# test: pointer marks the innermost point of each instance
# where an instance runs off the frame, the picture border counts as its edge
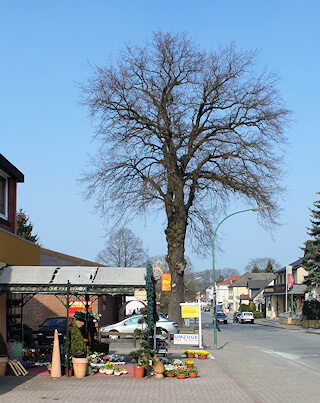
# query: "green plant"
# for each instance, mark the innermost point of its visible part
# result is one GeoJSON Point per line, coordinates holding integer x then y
{"type": "Point", "coordinates": [3, 347]}
{"type": "Point", "coordinates": [117, 369]}
{"type": "Point", "coordinates": [108, 365]}
{"type": "Point", "coordinates": [15, 350]}
{"type": "Point", "coordinates": [193, 371]}
{"type": "Point", "coordinates": [202, 352]}
{"type": "Point", "coordinates": [181, 370]}
{"type": "Point", "coordinates": [78, 346]}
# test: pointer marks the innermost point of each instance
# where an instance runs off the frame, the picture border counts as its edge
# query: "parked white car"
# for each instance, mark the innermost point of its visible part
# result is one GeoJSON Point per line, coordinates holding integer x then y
{"type": "Point", "coordinates": [246, 317]}
{"type": "Point", "coordinates": [130, 324]}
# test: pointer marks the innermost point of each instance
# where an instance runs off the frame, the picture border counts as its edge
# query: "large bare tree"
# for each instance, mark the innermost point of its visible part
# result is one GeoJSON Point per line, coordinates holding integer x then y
{"type": "Point", "coordinates": [123, 249]}
{"type": "Point", "coordinates": [184, 130]}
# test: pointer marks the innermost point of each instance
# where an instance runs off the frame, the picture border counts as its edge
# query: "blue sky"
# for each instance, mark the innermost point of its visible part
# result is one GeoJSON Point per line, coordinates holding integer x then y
{"type": "Point", "coordinates": [46, 48]}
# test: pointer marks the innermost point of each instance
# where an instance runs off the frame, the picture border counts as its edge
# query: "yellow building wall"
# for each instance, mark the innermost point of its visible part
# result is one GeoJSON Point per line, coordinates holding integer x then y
{"type": "Point", "coordinates": [18, 252]}
{"type": "Point", "coordinates": [237, 292]}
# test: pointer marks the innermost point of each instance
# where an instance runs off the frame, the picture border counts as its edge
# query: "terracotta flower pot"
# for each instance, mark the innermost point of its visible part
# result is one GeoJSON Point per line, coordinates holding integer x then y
{"type": "Point", "coordinates": [70, 372]}
{"type": "Point", "coordinates": [202, 357]}
{"type": "Point", "coordinates": [80, 367]}
{"type": "Point", "coordinates": [159, 370]}
{"type": "Point", "coordinates": [190, 355]}
{"type": "Point", "coordinates": [170, 375]}
{"type": "Point", "coordinates": [190, 366]}
{"type": "Point", "coordinates": [181, 376]}
{"type": "Point", "coordinates": [139, 371]}
{"type": "Point", "coordinates": [193, 375]}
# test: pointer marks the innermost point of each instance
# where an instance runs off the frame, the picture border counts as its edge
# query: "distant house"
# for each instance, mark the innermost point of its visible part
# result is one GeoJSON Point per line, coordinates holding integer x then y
{"type": "Point", "coordinates": [276, 302]}
{"type": "Point", "coordinates": [239, 291]}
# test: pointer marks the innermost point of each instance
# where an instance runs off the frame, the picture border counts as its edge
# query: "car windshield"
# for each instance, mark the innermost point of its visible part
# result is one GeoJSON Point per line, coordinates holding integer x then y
{"type": "Point", "coordinates": [55, 322]}
{"type": "Point", "coordinates": [220, 314]}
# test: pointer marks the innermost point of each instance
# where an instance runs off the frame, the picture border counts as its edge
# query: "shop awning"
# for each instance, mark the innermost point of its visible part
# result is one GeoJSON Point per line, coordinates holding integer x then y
{"type": "Point", "coordinates": [79, 279]}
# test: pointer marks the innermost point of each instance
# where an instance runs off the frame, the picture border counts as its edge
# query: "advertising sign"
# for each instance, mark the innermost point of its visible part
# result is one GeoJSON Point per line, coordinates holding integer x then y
{"type": "Point", "coordinates": [166, 282]}
{"type": "Point", "coordinates": [186, 338]}
{"type": "Point", "coordinates": [140, 295]}
{"type": "Point", "coordinates": [79, 305]}
{"type": "Point", "coordinates": [189, 310]}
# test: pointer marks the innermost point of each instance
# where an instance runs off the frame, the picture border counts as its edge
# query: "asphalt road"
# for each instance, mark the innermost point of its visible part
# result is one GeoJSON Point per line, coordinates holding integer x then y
{"type": "Point", "coordinates": [294, 345]}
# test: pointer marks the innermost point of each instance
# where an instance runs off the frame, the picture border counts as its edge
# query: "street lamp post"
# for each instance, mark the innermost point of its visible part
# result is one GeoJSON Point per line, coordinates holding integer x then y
{"type": "Point", "coordinates": [213, 268]}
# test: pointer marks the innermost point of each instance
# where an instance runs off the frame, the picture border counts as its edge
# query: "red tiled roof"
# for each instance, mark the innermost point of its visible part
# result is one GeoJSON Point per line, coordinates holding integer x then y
{"type": "Point", "coordinates": [229, 280]}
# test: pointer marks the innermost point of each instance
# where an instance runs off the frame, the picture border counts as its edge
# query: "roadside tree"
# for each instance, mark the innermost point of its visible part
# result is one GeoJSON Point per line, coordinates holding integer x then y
{"type": "Point", "coordinates": [311, 257]}
{"type": "Point", "coordinates": [123, 249]}
{"type": "Point", "coordinates": [186, 131]}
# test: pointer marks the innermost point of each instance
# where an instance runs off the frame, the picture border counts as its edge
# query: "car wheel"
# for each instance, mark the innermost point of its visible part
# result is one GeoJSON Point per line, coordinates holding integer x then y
{"type": "Point", "coordinates": [242, 321]}
{"type": "Point", "coordinates": [114, 336]}
{"type": "Point", "coordinates": [252, 321]}
{"type": "Point", "coordinates": [226, 321]}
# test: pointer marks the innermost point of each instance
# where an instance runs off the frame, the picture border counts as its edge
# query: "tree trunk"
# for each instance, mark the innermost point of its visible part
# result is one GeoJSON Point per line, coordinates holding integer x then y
{"type": "Point", "coordinates": [176, 232]}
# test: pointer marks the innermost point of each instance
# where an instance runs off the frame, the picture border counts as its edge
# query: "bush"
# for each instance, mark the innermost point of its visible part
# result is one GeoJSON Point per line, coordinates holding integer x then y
{"type": "Point", "coordinates": [78, 346]}
{"type": "Point", "coordinates": [311, 309]}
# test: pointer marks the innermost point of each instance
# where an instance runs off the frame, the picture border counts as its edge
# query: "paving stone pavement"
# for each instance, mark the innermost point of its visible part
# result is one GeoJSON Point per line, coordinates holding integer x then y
{"type": "Point", "coordinates": [212, 385]}
{"type": "Point", "coordinates": [239, 372]}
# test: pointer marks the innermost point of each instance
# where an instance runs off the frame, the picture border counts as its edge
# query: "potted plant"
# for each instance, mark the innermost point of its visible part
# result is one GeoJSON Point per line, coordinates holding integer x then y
{"type": "Point", "coordinates": [124, 370]}
{"type": "Point", "coordinates": [193, 372]}
{"type": "Point", "coordinates": [78, 352]}
{"type": "Point", "coordinates": [3, 356]}
{"type": "Point", "coordinates": [202, 354]}
{"type": "Point", "coordinates": [117, 371]}
{"type": "Point", "coordinates": [137, 356]}
{"type": "Point", "coordinates": [190, 353]}
{"type": "Point", "coordinates": [169, 370]}
{"type": "Point", "coordinates": [181, 372]}
{"type": "Point", "coordinates": [189, 363]}
{"type": "Point", "coordinates": [49, 367]}
{"type": "Point", "coordinates": [108, 368]}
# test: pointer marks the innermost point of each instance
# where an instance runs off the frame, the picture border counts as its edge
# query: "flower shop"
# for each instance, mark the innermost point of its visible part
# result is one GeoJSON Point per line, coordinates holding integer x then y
{"type": "Point", "coordinates": [80, 355]}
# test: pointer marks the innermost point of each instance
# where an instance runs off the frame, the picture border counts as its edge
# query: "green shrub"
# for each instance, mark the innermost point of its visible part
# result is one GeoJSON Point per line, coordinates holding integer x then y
{"type": "Point", "coordinates": [311, 309]}
{"type": "Point", "coordinates": [78, 345]}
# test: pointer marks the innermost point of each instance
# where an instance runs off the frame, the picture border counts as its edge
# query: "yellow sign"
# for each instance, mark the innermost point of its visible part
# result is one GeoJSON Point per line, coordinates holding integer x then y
{"type": "Point", "coordinates": [190, 311]}
{"type": "Point", "coordinates": [166, 282]}
{"type": "Point", "coordinates": [140, 295]}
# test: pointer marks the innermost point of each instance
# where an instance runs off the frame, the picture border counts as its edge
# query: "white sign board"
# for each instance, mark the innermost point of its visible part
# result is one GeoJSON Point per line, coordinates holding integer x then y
{"type": "Point", "coordinates": [186, 338]}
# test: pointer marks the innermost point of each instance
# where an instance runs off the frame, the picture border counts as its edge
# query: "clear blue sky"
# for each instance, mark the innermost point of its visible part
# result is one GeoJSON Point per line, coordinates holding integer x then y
{"type": "Point", "coordinates": [45, 50]}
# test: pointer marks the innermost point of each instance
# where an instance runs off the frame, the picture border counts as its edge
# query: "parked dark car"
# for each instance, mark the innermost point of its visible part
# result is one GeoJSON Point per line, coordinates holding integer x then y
{"type": "Point", "coordinates": [46, 331]}
{"type": "Point", "coordinates": [222, 317]}
{"type": "Point", "coordinates": [206, 308]}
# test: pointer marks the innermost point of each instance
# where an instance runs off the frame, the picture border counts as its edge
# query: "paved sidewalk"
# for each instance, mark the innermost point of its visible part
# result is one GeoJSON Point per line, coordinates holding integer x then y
{"type": "Point", "coordinates": [212, 385]}
{"type": "Point", "coordinates": [238, 373]}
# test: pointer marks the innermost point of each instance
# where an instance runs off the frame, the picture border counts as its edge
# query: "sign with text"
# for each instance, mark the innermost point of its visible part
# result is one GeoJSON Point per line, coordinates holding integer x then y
{"type": "Point", "coordinates": [166, 282]}
{"type": "Point", "coordinates": [189, 310]}
{"type": "Point", "coordinates": [181, 338]}
{"type": "Point", "coordinates": [140, 295]}
{"type": "Point", "coordinates": [79, 305]}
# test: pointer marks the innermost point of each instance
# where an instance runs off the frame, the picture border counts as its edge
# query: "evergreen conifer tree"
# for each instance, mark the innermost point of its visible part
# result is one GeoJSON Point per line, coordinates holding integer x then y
{"type": "Point", "coordinates": [25, 227]}
{"type": "Point", "coordinates": [269, 268]}
{"type": "Point", "coordinates": [311, 258]}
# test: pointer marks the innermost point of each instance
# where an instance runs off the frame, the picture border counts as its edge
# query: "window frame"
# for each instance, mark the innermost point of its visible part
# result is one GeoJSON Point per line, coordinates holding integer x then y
{"type": "Point", "coordinates": [6, 190]}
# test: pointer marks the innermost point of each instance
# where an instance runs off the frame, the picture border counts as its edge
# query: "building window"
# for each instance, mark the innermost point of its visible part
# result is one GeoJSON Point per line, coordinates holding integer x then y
{"type": "Point", "coordinates": [3, 196]}
{"type": "Point", "coordinates": [269, 303]}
